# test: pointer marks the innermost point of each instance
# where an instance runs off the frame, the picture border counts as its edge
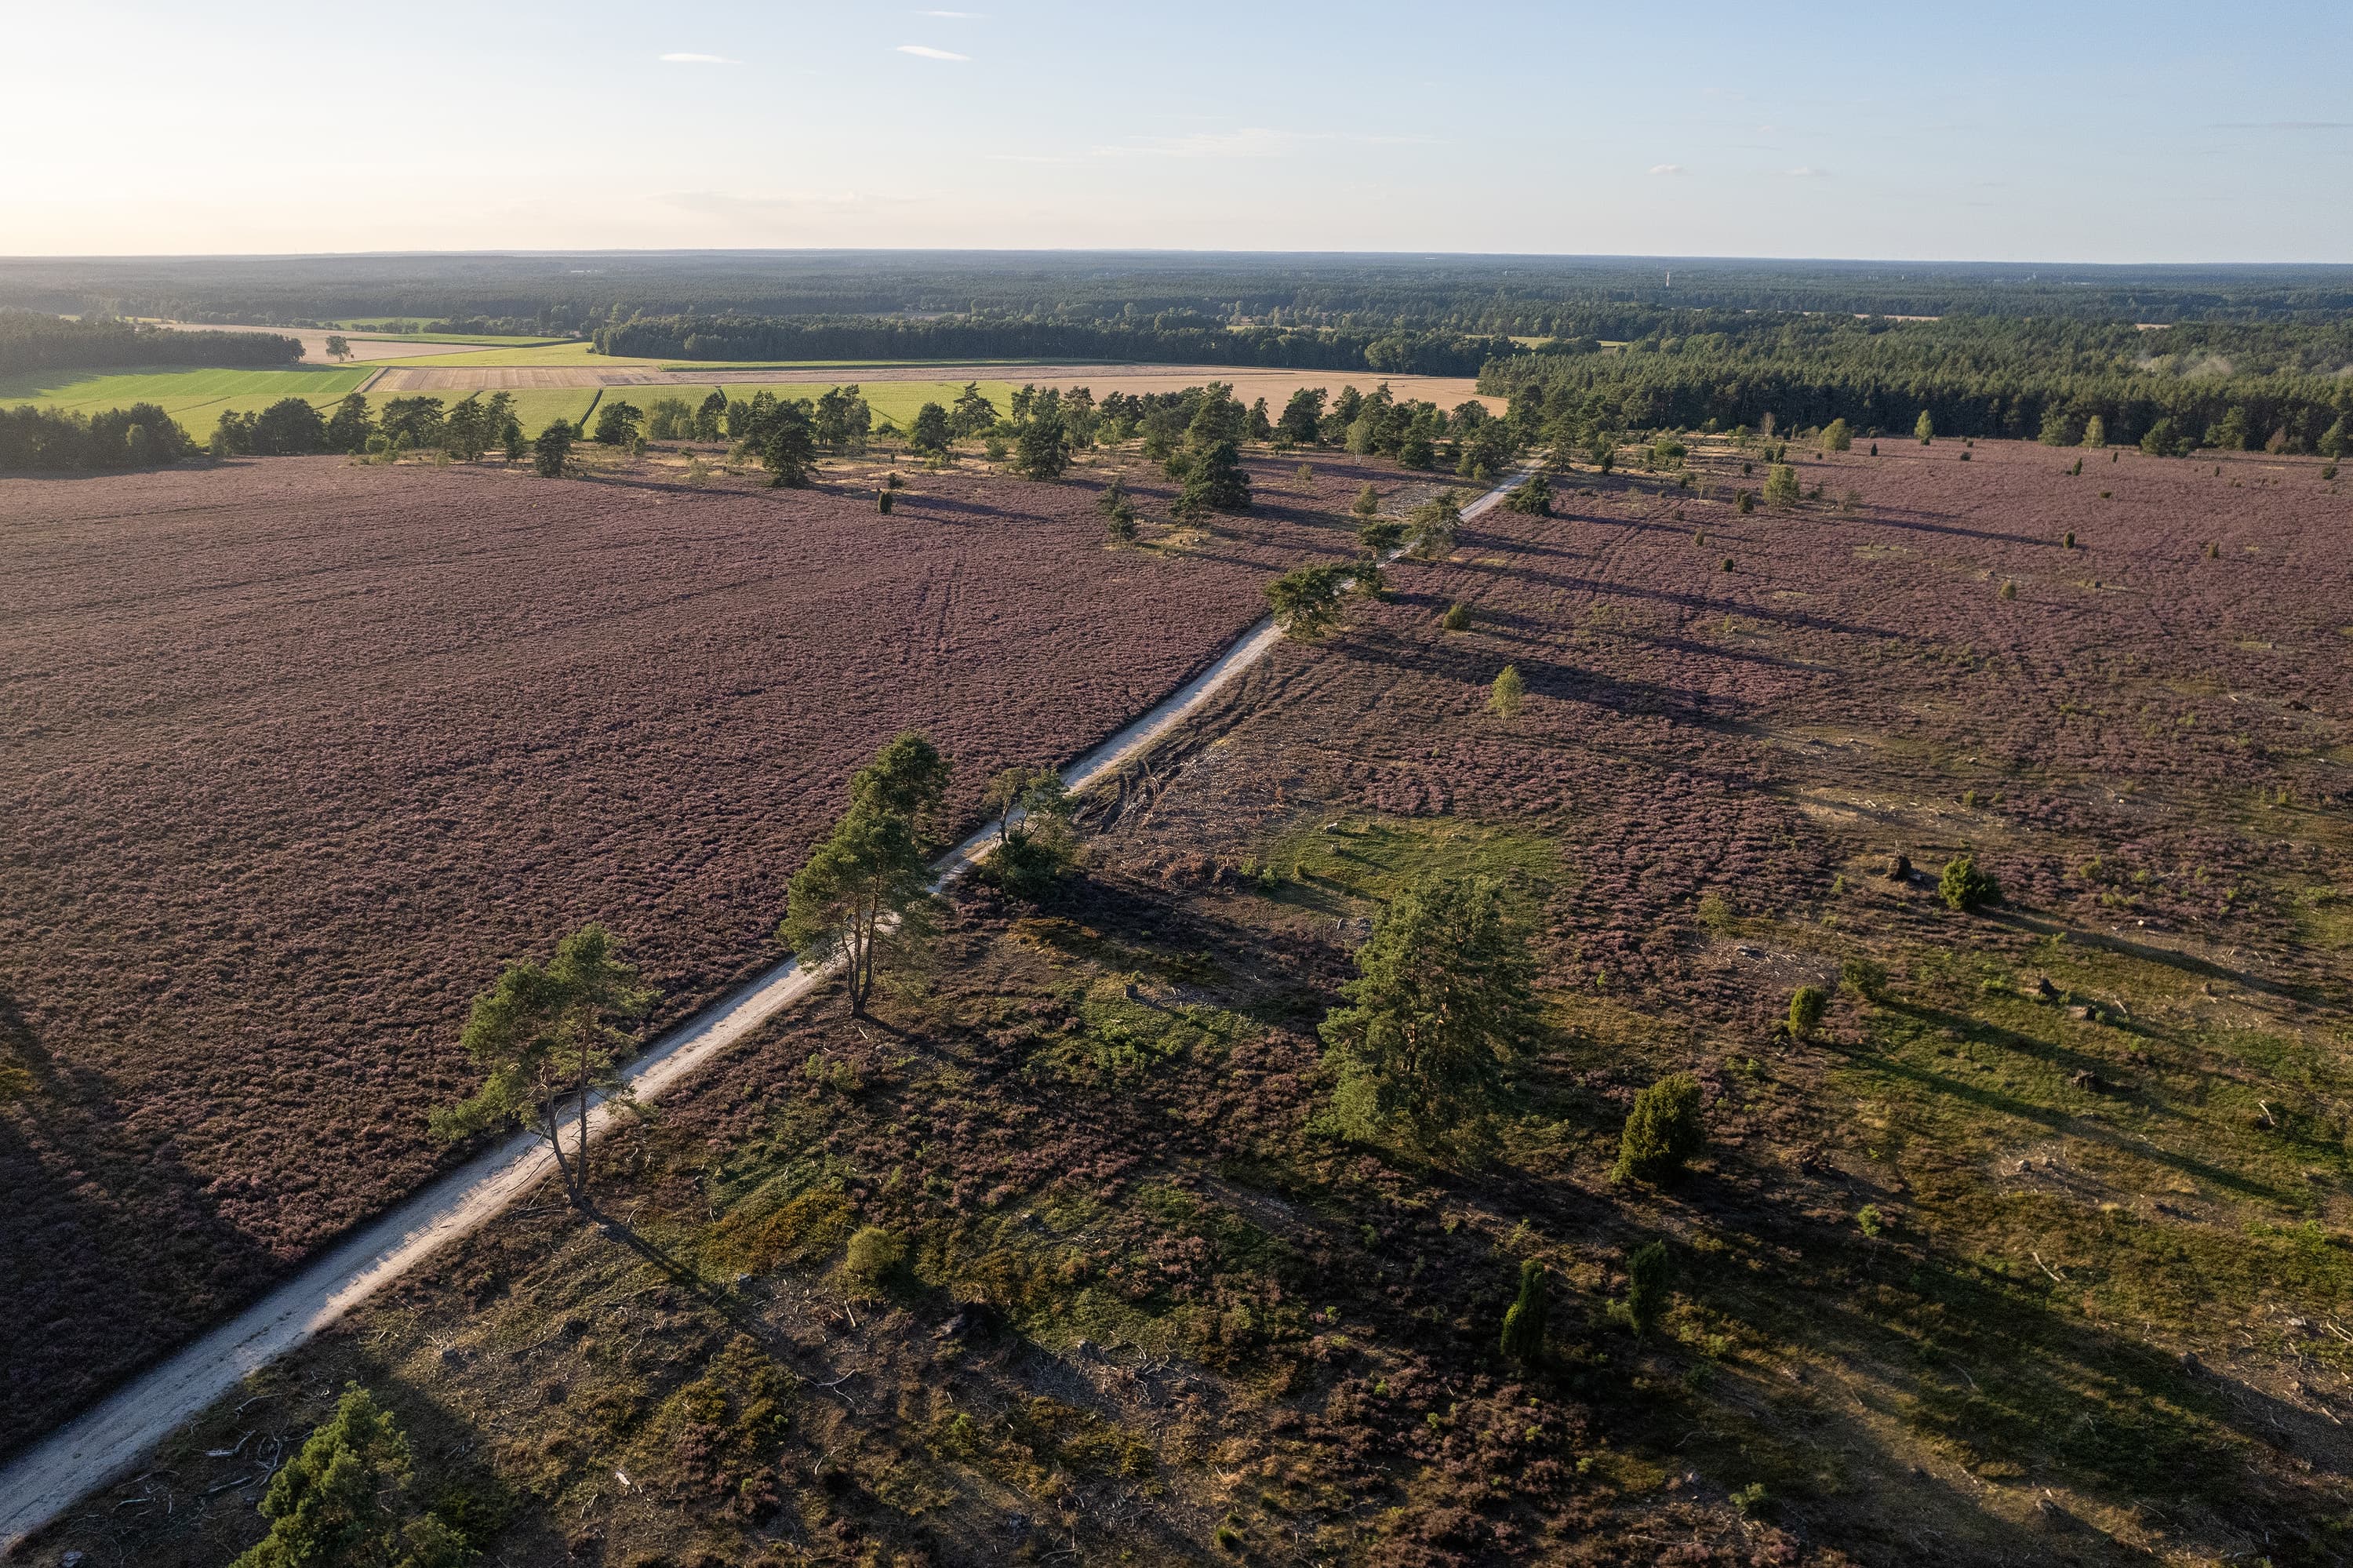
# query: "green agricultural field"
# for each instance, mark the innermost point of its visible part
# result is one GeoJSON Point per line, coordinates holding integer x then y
{"type": "Point", "coordinates": [194, 397]}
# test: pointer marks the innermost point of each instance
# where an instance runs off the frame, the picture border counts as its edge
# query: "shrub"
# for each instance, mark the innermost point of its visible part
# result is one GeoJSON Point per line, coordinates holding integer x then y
{"type": "Point", "coordinates": [1663, 1132]}
{"type": "Point", "coordinates": [1925, 428]}
{"type": "Point", "coordinates": [1369, 501]}
{"type": "Point", "coordinates": [1863, 977]}
{"type": "Point", "coordinates": [2095, 432]}
{"type": "Point", "coordinates": [1781, 486]}
{"type": "Point", "coordinates": [1839, 437]}
{"type": "Point", "coordinates": [874, 1255]}
{"type": "Point", "coordinates": [2008, 588]}
{"type": "Point", "coordinates": [1806, 1005]}
{"type": "Point", "coordinates": [1504, 696]}
{"type": "Point", "coordinates": [1523, 1321]}
{"type": "Point", "coordinates": [1964, 887]}
{"type": "Point", "coordinates": [1743, 503]}
{"type": "Point", "coordinates": [1646, 1287]}
{"type": "Point", "coordinates": [1456, 616]}
{"type": "Point", "coordinates": [882, 501]}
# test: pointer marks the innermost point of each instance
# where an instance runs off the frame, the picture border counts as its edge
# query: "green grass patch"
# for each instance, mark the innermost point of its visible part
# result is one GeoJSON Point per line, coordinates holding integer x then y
{"type": "Point", "coordinates": [1334, 866]}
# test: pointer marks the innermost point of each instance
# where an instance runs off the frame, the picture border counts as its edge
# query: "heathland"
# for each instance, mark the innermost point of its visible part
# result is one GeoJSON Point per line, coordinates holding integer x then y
{"type": "Point", "coordinates": [2012, 1221]}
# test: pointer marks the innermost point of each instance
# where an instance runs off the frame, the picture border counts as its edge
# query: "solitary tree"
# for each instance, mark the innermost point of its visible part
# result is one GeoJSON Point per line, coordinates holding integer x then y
{"type": "Point", "coordinates": [1524, 1319]}
{"type": "Point", "coordinates": [552, 450]}
{"type": "Point", "coordinates": [338, 348]}
{"type": "Point", "coordinates": [1781, 486]}
{"type": "Point", "coordinates": [1806, 1005]}
{"type": "Point", "coordinates": [1647, 1274]}
{"type": "Point", "coordinates": [1306, 601]}
{"type": "Point", "coordinates": [547, 1039]}
{"type": "Point", "coordinates": [1925, 428]}
{"type": "Point", "coordinates": [344, 1501]}
{"type": "Point", "coordinates": [862, 882]}
{"type": "Point", "coordinates": [1506, 694]}
{"type": "Point", "coordinates": [1965, 885]}
{"type": "Point", "coordinates": [1369, 502]}
{"type": "Point", "coordinates": [2095, 432]}
{"type": "Point", "coordinates": [1441, 1004]}
{"type": "Point", "coordinates": [1663, 1132]}
{"type": "Point", "coordinates": [1839, 437]}
{"type": "Point", "coordinates": [1431, 536]}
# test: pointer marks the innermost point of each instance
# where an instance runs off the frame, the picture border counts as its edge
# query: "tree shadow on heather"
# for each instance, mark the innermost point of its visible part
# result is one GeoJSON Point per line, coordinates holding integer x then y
{"type": "Point", "coordinates": [116, 1249]}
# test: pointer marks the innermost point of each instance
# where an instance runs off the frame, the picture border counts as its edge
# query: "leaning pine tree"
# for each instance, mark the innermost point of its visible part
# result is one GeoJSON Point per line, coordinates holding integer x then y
{"type": "Point", "coordinates": [547, 1038]}
{"type": "Point", "coordinates": [868, 883]}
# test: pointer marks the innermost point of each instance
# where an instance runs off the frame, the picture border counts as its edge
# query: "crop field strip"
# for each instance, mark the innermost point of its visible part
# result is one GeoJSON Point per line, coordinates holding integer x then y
{"type": "Point", "coordinates": [194, 397]}
{"type": "Point", "coordinates": [415, 719]}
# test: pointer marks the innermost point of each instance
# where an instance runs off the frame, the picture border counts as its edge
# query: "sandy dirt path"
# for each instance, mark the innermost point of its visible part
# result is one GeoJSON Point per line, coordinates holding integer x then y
{"type": "Point", "coordinates": [122, 1429]}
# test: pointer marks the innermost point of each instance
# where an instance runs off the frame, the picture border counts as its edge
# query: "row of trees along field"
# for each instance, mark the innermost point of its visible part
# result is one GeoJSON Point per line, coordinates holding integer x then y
{"type": "Point", "coordinates": [31, 341]}
{"type": "Point", "coordinates": [292, 428]}
{"type": "Point", "coordinates": [141, 436]}
{"type": "Point", "coordinates": [2234, 386]}
{"type": "Point", "coordinates": [1175, 337]}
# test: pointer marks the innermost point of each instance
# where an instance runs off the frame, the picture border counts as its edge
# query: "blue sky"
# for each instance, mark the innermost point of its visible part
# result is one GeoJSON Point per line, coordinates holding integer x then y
{"type": "Point", "coordinates": [2111, 132]}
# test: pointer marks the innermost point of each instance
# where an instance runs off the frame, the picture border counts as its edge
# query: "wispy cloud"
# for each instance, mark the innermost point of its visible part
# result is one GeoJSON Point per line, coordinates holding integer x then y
{"type": "Point", "coordinates": [1249, 141]}
{"type": "Point", "coordinates": [2285, 126]}
{"type": "Point", "coordinates": [1669, 169]}
{"type": "Point", "coordinates": [1806, 172]}
{"type": "Point", "coordinates": [698, 59]}
{"type": "Point", "coordinates": [924, 51]}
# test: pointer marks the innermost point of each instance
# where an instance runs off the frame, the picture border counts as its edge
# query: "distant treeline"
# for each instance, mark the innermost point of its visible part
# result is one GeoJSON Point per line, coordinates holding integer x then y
{"type": "Point", "coordinates": [1527, 296]}
{"type": "Point", "coordinates": [31, 341]}
{"type": "Point", "coordinates": [141, 436]}
{"type": "Point", "coordinates": [1171, 339]}
{"type": "Point", "coordinates": [2217, 383]}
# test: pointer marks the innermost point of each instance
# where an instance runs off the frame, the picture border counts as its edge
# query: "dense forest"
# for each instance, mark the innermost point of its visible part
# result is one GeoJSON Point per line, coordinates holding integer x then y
{"type": "Point", "coordinates": [1171, 338]}
{"type": "Point", "coordinates": [2225, 385]}
{"type": "Point", "coordinates": [1526, 296]}
{"type": "Point", "coordinates": [32, 340]}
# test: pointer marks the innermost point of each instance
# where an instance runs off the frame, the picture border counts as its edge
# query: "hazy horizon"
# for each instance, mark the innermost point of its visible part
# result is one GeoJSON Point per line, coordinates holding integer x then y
{"type": "Point", "coordinates": [2012, 136]}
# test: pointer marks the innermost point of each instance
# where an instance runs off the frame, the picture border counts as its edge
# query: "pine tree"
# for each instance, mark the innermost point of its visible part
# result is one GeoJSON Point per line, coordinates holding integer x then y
{"type": "Point", "coordinates": [1442, 1003]}
{"type": "Point", "coordinates": [1506, 695]}
{"type": "Point", "coordinates": [789, 449]}
{"type": "Point", "coordinates": [343, 1501]}
{"type": "Point", "coordinates": [1524, 1320]}
{"type": "Point", "coordinates": [1663, 1132]}
{"type": "Point", "coordinates": [1216, 483]}
{"type": "Point", "coordinates": [1925, 428]}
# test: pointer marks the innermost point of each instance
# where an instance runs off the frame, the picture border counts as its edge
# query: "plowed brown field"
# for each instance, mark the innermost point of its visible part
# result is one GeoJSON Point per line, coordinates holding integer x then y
{"type": "Point", "coordinates": [298, 752]}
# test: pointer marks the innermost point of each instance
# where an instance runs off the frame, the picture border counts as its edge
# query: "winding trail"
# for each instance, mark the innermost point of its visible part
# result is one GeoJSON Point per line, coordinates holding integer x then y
{"type": "Point", "coordinates": [119, 1432]}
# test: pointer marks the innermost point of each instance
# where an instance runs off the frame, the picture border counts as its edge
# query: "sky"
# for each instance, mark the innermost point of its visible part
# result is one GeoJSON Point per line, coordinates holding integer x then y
{"type": "Point", "coordinates": [2060, 131]}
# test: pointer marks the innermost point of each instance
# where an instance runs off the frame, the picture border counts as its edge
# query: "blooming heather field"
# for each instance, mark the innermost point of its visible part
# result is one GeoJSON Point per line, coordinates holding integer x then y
{"type": "Point", "coordinates": [2032, 1247]}
{"type": "Point", "coordinates": [298, 752]}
